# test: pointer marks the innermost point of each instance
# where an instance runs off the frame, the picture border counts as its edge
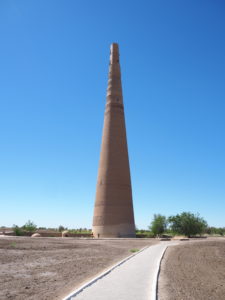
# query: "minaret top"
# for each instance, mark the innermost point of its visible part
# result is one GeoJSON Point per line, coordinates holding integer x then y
{"type": "Point", "coordinates": [114, 53]}
{"type": "Point", "coordinates": [114, 90]}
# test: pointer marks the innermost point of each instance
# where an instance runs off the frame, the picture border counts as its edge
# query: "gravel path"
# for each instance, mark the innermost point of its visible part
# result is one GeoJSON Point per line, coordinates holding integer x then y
{"type": "Point", "coordinates": [133, 280]}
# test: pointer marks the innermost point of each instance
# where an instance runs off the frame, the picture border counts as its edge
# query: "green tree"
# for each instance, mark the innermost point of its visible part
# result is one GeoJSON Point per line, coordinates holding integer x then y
{"type": "Point", "coordinates": [29, 226]}
{"type": "Point", "coordinates": [187, 223]}
{"type": "Point", "coordinates": [221, 231]}
{"type": "Point", "coordinates": [215, 230]}
{"type": "Point", "coordinates": [61, 228]}
{"type": "Point", "coordinates": [158, 224]}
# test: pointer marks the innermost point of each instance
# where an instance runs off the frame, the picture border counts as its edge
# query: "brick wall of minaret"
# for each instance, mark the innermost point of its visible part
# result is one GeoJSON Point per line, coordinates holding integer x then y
{"type": "Point", "coordinates": [113, 211]}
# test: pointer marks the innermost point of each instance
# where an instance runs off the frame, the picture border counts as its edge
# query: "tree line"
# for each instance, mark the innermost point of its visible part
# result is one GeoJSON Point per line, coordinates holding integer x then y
{"type": "Point", "coordinates": [186, 223]}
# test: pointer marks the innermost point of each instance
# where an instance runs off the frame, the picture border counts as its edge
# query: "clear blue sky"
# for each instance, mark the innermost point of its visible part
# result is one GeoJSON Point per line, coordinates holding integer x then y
{"type": "Point", "coordinates": [53, 78]}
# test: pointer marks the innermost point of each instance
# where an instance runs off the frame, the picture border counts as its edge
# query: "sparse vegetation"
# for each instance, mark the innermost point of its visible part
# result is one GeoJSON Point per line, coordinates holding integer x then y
{"type": "Point", "coordinates": [29, 226]}
{"type": "Point", "coordinates": [80, 231]}
{"type": "Point", "coordinates": [134, 250]}
{"type": "Point", "coordinates": [17, 230]}
{"type": "Point", "coordinates": [143, 233]}
{"type": "Point", "coordinates": [215, 230]}
{"type": "Point", "coordinates": [13, 244]}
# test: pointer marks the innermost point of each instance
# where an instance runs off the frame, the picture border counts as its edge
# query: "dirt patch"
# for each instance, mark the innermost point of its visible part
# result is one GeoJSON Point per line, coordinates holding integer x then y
{"type": "Point", "coordinates": [50, 268]}
{"type": "Point", "coordinates": [194, 270]}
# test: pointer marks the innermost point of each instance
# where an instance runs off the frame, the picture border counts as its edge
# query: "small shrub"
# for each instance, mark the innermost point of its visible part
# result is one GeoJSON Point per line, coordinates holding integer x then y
{"type": "Point", "coordinates": [29, 226]}
{"type": "Point", "coordinates": [17, 230]}
{"type": "Point", "coordinates": [134, 250]}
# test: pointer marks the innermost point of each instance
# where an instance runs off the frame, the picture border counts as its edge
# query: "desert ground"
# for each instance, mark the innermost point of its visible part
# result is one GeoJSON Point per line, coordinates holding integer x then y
{"type": "Point", "coordinates": [50, 268]}
{"type": "Point", "coordinates": [193, 271]}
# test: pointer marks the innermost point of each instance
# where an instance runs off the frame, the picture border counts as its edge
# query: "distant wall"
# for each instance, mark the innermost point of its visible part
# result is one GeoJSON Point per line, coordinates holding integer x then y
{"type": "Point", "coordinates": [59, 234]}
{"type": "Point", "coordinates": [46, 233]}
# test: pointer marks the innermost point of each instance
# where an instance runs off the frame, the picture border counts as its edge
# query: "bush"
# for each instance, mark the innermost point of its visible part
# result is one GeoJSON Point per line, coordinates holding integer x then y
{"type": "Point", "coordinates": [61, 228]}
{"type": "Point", "coordinates": [80, 231]}
{"type": "Point", "coordinates": [134, 250]}
{"type": "Point", "coordinates": [29, 226]}
{"type": "Point", "coordinates": [215, 230]}
{"type": "Point", "coordinates": [144, 234]}
{"type": "Point", "coordinates": [17, 230]}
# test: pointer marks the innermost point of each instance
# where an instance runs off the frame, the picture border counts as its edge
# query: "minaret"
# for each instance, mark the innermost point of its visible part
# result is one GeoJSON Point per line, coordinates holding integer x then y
{"type": "Point", "coordinates": [113, 212]}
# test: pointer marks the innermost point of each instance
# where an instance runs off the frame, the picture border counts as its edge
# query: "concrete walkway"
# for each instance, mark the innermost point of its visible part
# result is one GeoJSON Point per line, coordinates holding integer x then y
{"type": "Point", "coordinates": [133, 280]}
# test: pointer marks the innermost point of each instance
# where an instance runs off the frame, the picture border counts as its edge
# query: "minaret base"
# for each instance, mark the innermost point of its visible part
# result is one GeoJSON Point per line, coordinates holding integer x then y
{"type": "Point", "coordinates": [114, 231]}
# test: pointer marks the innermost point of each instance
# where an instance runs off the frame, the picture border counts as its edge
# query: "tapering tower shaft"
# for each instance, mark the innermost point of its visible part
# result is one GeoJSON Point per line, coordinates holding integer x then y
{"type": "Point", "coordinates": [113, 212]}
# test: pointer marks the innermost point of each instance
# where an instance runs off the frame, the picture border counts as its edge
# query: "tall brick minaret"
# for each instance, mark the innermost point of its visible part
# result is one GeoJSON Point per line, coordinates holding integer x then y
{"type": "Point", "coordinates": [113, 212]}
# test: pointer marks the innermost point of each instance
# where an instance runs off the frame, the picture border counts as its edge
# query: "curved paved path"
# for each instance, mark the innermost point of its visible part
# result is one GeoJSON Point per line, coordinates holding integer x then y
{"type": "Point", "coordinates": [133, 280]}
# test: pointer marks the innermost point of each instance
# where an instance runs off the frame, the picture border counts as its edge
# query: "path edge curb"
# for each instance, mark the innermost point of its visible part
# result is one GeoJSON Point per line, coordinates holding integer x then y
{"type": "Point", "coordinates": [155, 297]}
{"type": "Point", "coordinates": [101, 275]}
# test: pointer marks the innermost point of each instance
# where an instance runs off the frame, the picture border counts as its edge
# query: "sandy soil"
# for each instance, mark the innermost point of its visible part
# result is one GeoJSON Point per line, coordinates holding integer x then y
{"type": "Point", "coordinates": [50, 268]}
{"type": "Point", "coordinates": [193, 271]}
